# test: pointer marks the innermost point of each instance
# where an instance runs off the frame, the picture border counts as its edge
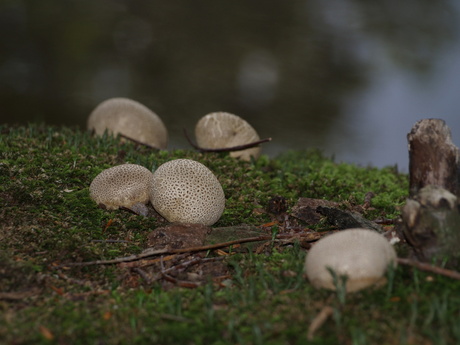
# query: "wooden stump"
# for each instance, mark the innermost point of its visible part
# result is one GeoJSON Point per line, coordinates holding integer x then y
{"type": "Point", "coordinates": [431, 216]}
{"type": "Point", "coordinates": [433, 158]}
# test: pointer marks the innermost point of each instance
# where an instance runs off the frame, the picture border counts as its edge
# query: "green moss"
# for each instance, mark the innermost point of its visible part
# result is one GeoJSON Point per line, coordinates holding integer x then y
{"type": "Point", "coordinates": [48, 218]}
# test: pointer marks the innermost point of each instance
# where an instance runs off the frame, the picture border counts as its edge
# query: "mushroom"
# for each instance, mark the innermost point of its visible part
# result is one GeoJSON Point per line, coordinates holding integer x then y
{"type": "Point", "coordinates": [125, 185]}
{"type": "Point", "coordinates": [221, 130]}
{"type": "Point", "coordinates": [186, 191]}
{"type": "Point", "coordinates": [131, 119]}
{"type": "Point", "coordinates": [360, 254]}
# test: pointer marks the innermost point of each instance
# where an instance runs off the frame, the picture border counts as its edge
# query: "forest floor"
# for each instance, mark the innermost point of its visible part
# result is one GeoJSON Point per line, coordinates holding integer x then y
{"type": "Point", "coordinates": [251, 292]}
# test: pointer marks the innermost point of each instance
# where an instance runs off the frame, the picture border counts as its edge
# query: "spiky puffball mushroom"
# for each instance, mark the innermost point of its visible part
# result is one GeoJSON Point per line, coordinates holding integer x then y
{"type": "Point", "coordinates": [360, 254]}
{"type": "Point", "coordinates": [131, 119]}
{"type": "Point", "coordinates": [124, 185]}
{"type": "Point", "coordinates": [221, 130]}
{"type": "Point", "coordinates": [186, 191]}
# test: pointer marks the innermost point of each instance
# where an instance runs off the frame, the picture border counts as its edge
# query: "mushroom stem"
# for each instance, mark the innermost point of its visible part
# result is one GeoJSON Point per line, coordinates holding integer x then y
{"type": "Point", "coordinates": [226, 149]}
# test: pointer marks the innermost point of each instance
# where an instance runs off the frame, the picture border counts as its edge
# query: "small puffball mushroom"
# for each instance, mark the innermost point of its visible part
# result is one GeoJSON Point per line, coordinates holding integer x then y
{"type": "Point", "coordinates": [186, 191]}
{"type": "Point", "coordinates": [362, 255]}
{"type": "Point", "coordinates": [123, 185]}
{"type": "Point", "coordinates": [130, 118]}
{"type": "Point", "coordinates": [221, 130]}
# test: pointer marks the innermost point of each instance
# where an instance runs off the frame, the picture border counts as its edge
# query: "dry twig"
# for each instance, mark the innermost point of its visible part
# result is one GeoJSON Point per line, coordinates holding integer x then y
{"type": "Point", "coordinates": [149, 252]}
{"type": "Point", "coordinates": [318, 321]}
{"type": "Point", "coordinates": [20, 295]}
{"type": "Point", "coordinates": [147, 262]}
{"type": "Point", "coordinates": [138, 142]}
{"type": "Point", "coordinates": [429, 268]}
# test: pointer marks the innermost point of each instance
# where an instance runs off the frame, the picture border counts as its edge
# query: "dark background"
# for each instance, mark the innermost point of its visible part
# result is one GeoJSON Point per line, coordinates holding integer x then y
{"type": "Point", "coordinates": [349, 77]}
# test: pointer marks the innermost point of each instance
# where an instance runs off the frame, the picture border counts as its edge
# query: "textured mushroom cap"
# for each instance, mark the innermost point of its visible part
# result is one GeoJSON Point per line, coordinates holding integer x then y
{"type": "Point", "coordinates": [220, 130]}
{"type": "Point", "coordinates": [186, 191]}
{"type": "Point", "coordinates": [362, 255]}
{"type": "Point", "coordinates": [121, 185]}
{"type": "Point", "coordinates": [130, 118]}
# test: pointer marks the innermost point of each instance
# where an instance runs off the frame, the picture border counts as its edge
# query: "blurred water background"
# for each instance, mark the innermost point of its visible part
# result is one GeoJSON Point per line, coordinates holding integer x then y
{"type": "Point", "coordinates": [349, 77]}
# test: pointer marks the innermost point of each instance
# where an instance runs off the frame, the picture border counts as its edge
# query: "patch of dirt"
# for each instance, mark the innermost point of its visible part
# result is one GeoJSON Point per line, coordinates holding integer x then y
{"type": "Point", "coordinates": [178, 236]}
{"type": "Point", "coordinates": [185, 270]}
{"type": "Point", "coordinates": [306, 209]}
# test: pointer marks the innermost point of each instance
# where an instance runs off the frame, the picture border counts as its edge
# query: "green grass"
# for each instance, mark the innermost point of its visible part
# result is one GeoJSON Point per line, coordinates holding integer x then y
{"type": "Point", "coordinates": [47, 218]}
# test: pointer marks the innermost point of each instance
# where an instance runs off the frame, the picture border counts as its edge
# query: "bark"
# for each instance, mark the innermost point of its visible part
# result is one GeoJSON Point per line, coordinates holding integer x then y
{"type": "Point", "coordinates": [431, 216]}
{"type": "Point", "coordinates": [432, 225]}
{"type": "Point", "coordinates": [433, 158]}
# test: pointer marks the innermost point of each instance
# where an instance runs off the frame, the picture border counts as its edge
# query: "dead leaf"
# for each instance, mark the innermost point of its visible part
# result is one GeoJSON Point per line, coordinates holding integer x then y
{"type": "Point", "coordinates": [46, 333]}
{"type": "Point", "coordinates": [107, 315]}
{"type": "Point", "coordinates": [59, 291]}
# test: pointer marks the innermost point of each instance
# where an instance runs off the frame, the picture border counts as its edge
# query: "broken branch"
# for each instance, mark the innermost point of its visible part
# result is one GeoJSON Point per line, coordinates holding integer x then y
{"type": "Point", "coordinates": [138, 142]}
{"type": "Point", "coordinates": [225, 149]}
{"type": "Point", "coordinates": [429, 268]}
{"type": "Point", "coordinates": [150, 252]}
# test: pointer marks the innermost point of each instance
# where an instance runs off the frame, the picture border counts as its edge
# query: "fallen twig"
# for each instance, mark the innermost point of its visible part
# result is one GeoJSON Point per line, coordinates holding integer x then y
{"type": "Point", "coordinates": [143, 274]}
{"type": "Point", "coordinates": [138, 142]}
{"type": "Point", "coordinates": [111, 241]}
{"type": "Point", "coordinates": [181, 283]}
{"type": "Point", "coordinates": [20, 295]}
{"type": "Point", "coordinates": [318, 321]}
{"type": "Point", "coordinates": [192, 262]}
{"type": "Point", "coordinates": [146, 262]}
{"type": "Point", "coordinates": [429, 268]}
{"type": "Point", "coordinates": [151, 252]}
{"type": "Point", "coordinates": [226, 149]}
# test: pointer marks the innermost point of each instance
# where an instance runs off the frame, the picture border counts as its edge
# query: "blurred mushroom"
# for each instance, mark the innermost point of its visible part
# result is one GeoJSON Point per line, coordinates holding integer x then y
{"type": "Point", "coordinates": [221, 130]}
{"type": "Point", "coordinates": [131, 119]}
{"type": "Point", "coordinates": [361, 255]}
{"type": "Point", "coordinates": [125, 185]}
{"type": "Point", "coordinates": [186, 191]}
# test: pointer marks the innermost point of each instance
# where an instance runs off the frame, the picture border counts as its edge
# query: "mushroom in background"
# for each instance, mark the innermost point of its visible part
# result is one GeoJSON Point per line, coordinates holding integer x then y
{"type": "Point", "coordinates": [222, 130]}
{"type": "Point", "coordinates": [186, 191]}
{"type": "Point", "coordinates": [131, 119]}
{"type": "Point", "coordinates": [361, 255]}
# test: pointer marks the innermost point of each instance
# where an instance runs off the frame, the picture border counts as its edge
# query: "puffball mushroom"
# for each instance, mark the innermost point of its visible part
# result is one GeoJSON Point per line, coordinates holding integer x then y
{"type": "Point", "coordinates": [221, 130]}
{"type": "Point", "coordinates": [362, 255]}
{"type": "Point", "coordinates": [123, 185]}
{"type": "Point", "coordinates": [130, 118]}
{"type": "Point", "coordinates": [186, 191]}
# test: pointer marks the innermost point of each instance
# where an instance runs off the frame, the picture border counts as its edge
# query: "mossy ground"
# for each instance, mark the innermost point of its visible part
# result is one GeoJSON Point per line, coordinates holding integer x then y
{"type": "Point", "coordinates": [47, 218]}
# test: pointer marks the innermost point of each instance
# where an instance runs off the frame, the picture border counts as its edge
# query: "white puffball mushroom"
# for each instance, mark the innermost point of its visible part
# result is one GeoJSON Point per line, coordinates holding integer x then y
{"type": "Point", "coordinates": [362, 255]}
{"type": "Point", "coordinates": [186, 191]}
{"type": "Point", "coordinates": [130, 118]}
{"type": "Point", "coordinates": [123, 185]}
{"type": "Point", "coordinates": [222, 130]}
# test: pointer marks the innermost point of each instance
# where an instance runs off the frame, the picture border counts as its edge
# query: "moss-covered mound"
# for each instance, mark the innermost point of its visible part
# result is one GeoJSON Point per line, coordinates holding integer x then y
{"type": "Point", "coordinates": [47, 220]}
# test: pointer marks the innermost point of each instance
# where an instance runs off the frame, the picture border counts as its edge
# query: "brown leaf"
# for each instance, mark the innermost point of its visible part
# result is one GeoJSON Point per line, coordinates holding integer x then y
{"type": "Point", "coordinates": [46, 333]}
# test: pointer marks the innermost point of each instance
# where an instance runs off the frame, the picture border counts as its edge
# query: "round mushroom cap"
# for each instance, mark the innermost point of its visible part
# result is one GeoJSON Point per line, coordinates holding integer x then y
{"type": "Point", "coordinates": [130, 118]}
{"type": "Point", "coordinates": [122, 185]}
{"type": "Point", "coordinates": [221, 130]}
{"type": "Point", "coordinates": [362, 255]}
{"type": "Point", "coordinates": [186, 191]}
